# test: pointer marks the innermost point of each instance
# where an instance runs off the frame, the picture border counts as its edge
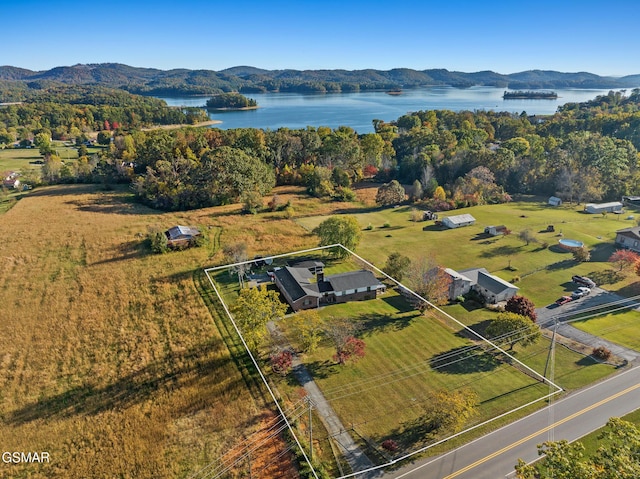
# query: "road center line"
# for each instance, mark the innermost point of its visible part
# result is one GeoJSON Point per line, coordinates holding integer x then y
{"type": "Point", "coordinates": [541, 431]}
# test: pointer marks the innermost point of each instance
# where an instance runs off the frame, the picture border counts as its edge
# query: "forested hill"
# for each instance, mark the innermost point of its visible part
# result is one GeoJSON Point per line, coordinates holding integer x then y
{"type": "Point", "coordinates": [248, 79]}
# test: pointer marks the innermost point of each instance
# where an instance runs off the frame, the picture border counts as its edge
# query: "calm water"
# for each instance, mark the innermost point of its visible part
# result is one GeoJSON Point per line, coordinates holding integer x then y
{"type": "Point", "coordinates": [357, 110]}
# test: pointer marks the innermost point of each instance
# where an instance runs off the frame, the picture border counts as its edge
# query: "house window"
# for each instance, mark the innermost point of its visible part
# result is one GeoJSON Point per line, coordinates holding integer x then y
{"type": "Point", "coordinates": [621, 240]}
{"type": "Point", "coordinates": [635, 244]}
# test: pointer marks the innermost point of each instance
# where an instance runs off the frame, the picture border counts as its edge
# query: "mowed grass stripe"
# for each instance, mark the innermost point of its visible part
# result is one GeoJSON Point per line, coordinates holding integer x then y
{"type": "Point", "coordinates": [386, 390]}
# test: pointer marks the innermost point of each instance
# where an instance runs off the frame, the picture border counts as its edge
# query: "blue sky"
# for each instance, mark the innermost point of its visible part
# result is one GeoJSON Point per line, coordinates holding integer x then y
{"type": "Point", "coordinates": [506, 37]}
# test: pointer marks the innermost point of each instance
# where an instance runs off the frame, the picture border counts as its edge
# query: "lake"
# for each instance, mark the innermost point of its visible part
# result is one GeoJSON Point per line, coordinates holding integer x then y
{"type": "Point", "coordinates": [357, 110]}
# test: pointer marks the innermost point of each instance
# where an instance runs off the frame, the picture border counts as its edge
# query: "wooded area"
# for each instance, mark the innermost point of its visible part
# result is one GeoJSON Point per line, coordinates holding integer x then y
{"type": "Point", "coordinates": [585, 152]}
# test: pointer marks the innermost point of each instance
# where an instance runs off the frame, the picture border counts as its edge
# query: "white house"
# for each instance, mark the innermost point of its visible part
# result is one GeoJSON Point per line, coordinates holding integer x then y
{"type": "Point", "coordinates": [458, 221]}
{"type": "Point", "coordinates": [595, 208]}
{"type": "Point", "coordinates": [492, 288]}
{"type": "Point", "coordinates": [555, 201]}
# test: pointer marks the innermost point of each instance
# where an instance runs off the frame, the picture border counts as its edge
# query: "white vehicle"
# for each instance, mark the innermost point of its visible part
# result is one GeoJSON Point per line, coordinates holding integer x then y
{"type": "Point", "coordinates": [580, 292]}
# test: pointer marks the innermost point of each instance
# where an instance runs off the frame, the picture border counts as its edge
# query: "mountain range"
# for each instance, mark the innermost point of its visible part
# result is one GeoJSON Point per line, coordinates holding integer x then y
{"type": "Point", "coordinates": [249, 79]}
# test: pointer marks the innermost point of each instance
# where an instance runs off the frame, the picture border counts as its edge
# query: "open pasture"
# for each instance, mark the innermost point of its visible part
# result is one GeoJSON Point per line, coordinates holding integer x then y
{"type": "Point", "coordinates": [544, 269]}
{"type": "Point", "coordinates": [109, 359]}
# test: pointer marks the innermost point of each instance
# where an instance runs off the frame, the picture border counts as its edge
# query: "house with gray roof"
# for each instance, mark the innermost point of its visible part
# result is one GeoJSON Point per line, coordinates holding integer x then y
{"type": "Point", "coordinates": [492, 288]}
{"type": "Point", "coordinates": [305, 286]}
{"type": "Point", "coordinates": [182, 236]}
{"type": "Point", "coordinates": [629, 238]}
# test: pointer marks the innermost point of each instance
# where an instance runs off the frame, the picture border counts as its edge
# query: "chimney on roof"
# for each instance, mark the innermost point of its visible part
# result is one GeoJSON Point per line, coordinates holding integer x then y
{"type": "Point", "coordinates": [319, 274]}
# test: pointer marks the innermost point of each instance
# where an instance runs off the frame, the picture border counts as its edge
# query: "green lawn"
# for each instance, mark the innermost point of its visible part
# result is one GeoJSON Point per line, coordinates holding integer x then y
{"type": "Point", "coordinates": [408, 357]}
{"type": "Point", "coordinates": [18, 159]}
{"type": "Point", "coordinates": [544, 272]}
{"type": "Point", "coordinates": [621, 328]}
{"type": "Point", "coordinates": [572, 370]}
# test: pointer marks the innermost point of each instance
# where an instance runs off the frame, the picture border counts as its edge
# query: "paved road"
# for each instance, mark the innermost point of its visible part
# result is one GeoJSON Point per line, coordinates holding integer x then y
{"type": "Point", "coordinates": [493, 456]}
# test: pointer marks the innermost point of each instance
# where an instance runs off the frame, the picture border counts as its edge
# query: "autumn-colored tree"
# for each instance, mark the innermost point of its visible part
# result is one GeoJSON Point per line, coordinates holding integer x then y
{"type": "Point", "coordinates": [390, 194]}
{"type": "Point", "coordinates": [341, 331]}
{"type": "Point", "coordinates": [429, 280]}
{"type": "Point", "coordinates": [601, 353]}
{"type": "Point", "coordinates": [624, 258]}
{"type": "Point", "coordinates": [439, 194]}
{"type": "Point", "coordinates": [389, 445]}
{"type": "Point", "coordinates": [511, 329]}
{"type": "Point", "coordinates": [281, 362]}
{"type": "Point", "coordinates": [253, 309]}
{"type": "Point", "coordinates": [351, 350]}
{"type": "Point", "coordinates": [522, 306]}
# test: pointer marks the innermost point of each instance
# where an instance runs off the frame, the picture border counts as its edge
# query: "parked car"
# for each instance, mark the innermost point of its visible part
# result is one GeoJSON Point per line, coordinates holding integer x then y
{"type": "Point", "coordinates": [583, 281]}
{"type": "Point", "coordinates": [563, 300]}
{"type": "Point", "coordinates": [580, 292]}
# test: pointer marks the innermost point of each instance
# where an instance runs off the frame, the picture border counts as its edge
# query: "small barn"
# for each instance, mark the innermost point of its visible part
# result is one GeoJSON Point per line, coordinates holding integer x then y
{"type": "Point", "coordinates": [458, 221]}
{"type": "Point", "coordinates": [496, 230]}
{"type": "Point", "coordinates": [611, 207]}
{"type": "Point", "coordinates": [182, 236]}
{"type": "Point", "coordinates": [555, 201]}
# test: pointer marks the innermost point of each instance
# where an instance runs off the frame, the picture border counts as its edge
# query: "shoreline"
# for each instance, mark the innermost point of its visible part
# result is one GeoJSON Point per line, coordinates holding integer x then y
{"type": "Point", "coordinates": [182, 125]}
{"type": "Point", "coordinates": [233, 109]}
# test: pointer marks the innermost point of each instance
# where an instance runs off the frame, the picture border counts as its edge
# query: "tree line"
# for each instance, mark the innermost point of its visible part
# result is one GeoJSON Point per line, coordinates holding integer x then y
{"type": "Point", "coordinates": [584, 152]}
{"type": "Point", "coordinates": [70, 111]}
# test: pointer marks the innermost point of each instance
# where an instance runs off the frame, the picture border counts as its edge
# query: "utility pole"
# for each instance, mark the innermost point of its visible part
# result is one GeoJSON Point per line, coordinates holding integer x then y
{"type": "Point", "coordinates": [310, 430]}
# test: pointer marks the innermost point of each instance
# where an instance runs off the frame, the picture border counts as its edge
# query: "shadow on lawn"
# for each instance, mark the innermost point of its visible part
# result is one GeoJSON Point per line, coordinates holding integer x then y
{"type": "Point", "coordinates": [112, 204]}
{"type": "Point", "coordinates": [314, 370]}
{"type": "Point", "coordinates": [564, 264]}
{"type": "Point", "coordinates": [371, 323]}
{"type": "Point", "coordinates": [505, 250]}
{"type": "Point", "coordinates": [135, 249]}
{"type": "Point", "coordinates": [172, 372]}
{"type": "Point", "coordinates": [632, 289]}
{"type": "Point", "coordinates": [464, 360]}
{"type": "Point", "coordinates": [608, 276]}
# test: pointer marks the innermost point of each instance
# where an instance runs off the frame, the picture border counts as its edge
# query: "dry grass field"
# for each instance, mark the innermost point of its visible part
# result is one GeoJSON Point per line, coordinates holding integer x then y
{"type": "Point", "coordinates": [109, 357]}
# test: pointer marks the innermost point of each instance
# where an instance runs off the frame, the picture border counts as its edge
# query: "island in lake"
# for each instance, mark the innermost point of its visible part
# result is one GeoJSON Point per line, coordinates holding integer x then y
{"type": "Point", "coordinates": [231, 101]}
{"type": "Point", "coordinates": [531, 95]}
